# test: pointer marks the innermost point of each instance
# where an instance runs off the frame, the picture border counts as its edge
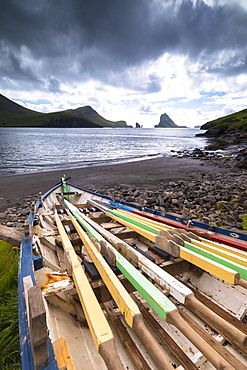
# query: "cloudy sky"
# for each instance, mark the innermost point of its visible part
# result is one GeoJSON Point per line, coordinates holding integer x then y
{"type": "Point", "coordinates": [130, 60]}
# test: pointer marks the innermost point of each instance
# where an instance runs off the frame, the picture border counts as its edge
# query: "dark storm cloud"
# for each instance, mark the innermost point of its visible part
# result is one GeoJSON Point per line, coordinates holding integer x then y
{"type": "Point", "coordinates": [74, 40]}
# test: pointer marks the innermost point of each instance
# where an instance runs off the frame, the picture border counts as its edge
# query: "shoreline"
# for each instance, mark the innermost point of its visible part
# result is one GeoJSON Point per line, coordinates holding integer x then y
{"type": "Point", "coordinates": [148, 173]}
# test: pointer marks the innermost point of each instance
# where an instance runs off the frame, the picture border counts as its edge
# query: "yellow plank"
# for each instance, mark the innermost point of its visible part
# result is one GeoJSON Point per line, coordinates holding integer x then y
{"type": "Point", "coordinates": [98, 325]}
{"type": "Point", "coordinates": [122, 298]}
{"type": "Point", "coordinates": [225, 247]}
{"type": "Point", "coordinates": [222, 251]}
{"type": "Point", "coordinates": [210, 266]}
{"type": "Point", "coordinates": [156, 225]}
{"type": "Point", "coordinates": [139, 230]}
{"type": "Point", "coordinates": [62, 355]}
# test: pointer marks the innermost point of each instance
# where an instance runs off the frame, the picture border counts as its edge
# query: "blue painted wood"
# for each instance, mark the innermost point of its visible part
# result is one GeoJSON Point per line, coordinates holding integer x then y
{"type": "Point", "coordinates": [26, 269]}
{"type": "Point", "coordinates": [219, 230]}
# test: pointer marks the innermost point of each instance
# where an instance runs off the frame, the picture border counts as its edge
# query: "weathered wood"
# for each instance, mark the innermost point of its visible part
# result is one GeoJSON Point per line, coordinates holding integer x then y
{"type": "Point", "coordinates": [204, 347]}
{"type": "Point", "coordinates": [38, 327]}
{"type": "Point", "coordinates": [233, 335]}
{"type": "Point", "coordinates": [98, 325]}
{"type": "Point", "coordinates": [110, 225]}
{"type": "Point", "coordinates": [64, 361]}
{"type": "Point", "coordinates": [10, 235]}
{"type": "Point", "coordinates": [176, 267]}
{"type": "Point", "coordinates": [226, 261]}
{"type": "Point", "coordinates": [153, 296]}
{"type": "Point", "coordinates": [103, 294]}
{"type": "Point", "coordinates": [172, 345]}
{"type": "Point", "coordinates": [132, 348]}
{"type": "Point", "coordinates": [125, 303]}
{"type": "Point", "coordinates": [213, 342]}
{"type": "Point", "coordinates": [236, 337]}
{"type": "Point", "coordinates": [218, 310]}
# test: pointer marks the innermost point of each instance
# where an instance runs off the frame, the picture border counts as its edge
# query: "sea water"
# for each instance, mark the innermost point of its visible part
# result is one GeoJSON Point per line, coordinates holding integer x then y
{"type": "Point", "coordinates": [27, 150]}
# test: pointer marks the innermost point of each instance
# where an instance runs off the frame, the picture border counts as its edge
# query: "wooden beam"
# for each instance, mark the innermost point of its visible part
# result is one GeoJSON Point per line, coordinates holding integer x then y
{"type": "Point", "coordinates": [231, 359]}
{"type": "Point", "coordinates": [157, 300]}
{"type": "Point", "coordinates": [222, 251]}
{"type": "Point", "coordinates": [176, 289]}
{"type": "Point", "coordinates": [10, 235]}
{"type": "Point", "coordinates": [219, 311]}
{"type": "Point", "coordinates": [64, 360]}
{"type": "Point", "coordinates": [38, 328]}
{"type": "Point", "coordinates": [182, 358]}
{"type": "Point", "coordinates": [208, 265]}
{"type": "Point", "coordinates": [220, 260]}
{"type": "Point", "coordinates": [129, 343]}
{"type": "Point", "coordinates": [98, 325]}
{"type": "Point", "coordinates": [125, 303]}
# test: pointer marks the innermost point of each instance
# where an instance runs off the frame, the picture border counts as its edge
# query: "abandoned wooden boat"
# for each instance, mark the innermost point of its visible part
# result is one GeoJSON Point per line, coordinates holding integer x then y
{"type": "Point", "coordinates": [104, 285]}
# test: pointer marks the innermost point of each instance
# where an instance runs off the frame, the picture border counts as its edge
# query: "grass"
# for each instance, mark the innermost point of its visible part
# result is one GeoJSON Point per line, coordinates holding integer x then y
{"type": "Point", "coordinates": [244, 222]}
{"type": "Point", "coordinates": [9, 338]}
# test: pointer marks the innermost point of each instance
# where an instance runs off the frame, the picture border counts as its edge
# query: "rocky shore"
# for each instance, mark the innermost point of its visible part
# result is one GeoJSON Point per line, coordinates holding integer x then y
{"type": "Point", "coordinates": [217, 198]}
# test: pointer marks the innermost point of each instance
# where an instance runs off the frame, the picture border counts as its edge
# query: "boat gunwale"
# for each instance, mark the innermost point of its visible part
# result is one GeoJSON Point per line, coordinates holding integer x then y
{"type": "Point", "coordinates": [25, 268]}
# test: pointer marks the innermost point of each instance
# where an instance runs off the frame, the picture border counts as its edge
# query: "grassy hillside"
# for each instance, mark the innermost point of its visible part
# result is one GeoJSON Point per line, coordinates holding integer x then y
{"type": "Point", "coordinates": [14, 115]}
{"type": "Point", "coordinates": [227, 124]}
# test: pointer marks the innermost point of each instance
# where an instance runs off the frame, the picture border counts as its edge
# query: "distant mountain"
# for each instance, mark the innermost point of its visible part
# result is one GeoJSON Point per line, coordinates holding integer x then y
{"type": "Point", "coordinates": [166, 121]}
{"type": "Point", "coordinates": [14, 115]}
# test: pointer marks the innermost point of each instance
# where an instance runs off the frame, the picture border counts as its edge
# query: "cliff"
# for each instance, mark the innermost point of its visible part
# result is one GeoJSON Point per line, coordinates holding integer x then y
{"type": "Point", "coordinates": [165, 121]}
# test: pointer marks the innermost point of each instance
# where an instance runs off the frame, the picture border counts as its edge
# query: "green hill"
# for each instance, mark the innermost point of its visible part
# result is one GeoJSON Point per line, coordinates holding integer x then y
{"type": "Point", "coordinates": [227, 130]}
{"type": "Point", "coordinates": [233, 122]}
{"type": "Point", "coordinates": [14, 115]}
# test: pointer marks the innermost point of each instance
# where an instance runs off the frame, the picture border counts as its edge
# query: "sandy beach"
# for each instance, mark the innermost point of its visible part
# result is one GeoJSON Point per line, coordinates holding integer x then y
{"type": "Point", "coordinates": [145, 174]}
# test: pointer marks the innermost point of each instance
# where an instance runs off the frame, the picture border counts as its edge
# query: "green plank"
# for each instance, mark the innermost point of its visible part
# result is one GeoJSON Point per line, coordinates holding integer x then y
{"type": "Point", "coordinates": [65, 188]}
{"type": "Point", "coordinates": [134, 222]}
{"type": "Point", "coordinates": [157, 300]}
{"type": "Point", "coordinates": [223, 261]}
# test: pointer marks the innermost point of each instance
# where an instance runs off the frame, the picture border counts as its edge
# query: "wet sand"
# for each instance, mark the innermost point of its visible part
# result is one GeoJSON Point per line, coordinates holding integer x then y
{"type": "Point", "coordinates": [144, 174]}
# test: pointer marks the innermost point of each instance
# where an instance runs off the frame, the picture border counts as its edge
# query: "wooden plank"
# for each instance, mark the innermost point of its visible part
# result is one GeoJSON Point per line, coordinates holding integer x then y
{"type": "Point", "coordinates": [221, 260]}
{"type": "Point", "coordinates": [64, 360]}
{"type": "Point", "coordinates": [183, 359]}
{"type": "Point", "coordinates": [38, 327]}
{"type": "Point", "coordinates": [10, 235]}
{"type": "Point", "coordinates": [172, 317]}
{"type": "Point", "coordinates": [98, 325]}
{"type": "Point", "coordinates": [183, 295]}
{"type": "Point", "coordinates": [231, 359]}
{"type": "Point", "coordinates": [145, 221]}
{"type": "Point", "coordinates": [223, 246]}
{"type": "Point", "coordinates": [146, 233]}
{"type": "Point", "coordinates": [131, 346]}
{"type": "Point", "coordinates": [125, 303]}
{"type": "Point", "coordinates": [222, 251]}
{"type": "Point", "coordinates": [212, 267]}
{"type": "Point", "coordinates": [219, 311]}
{"type": "Point", "coordinates": [134, 222]}
{"type": "Point", "coordinates": [157, 300]}
{"type": "Point", "coordinates": [158, 275]}
{"type": "Point", "coordinates": [110, 225]}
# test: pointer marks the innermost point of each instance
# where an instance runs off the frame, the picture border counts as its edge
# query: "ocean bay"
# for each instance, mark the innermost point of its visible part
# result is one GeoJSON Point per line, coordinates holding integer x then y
{"type": "Point", "coordinates": [29, 150]}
